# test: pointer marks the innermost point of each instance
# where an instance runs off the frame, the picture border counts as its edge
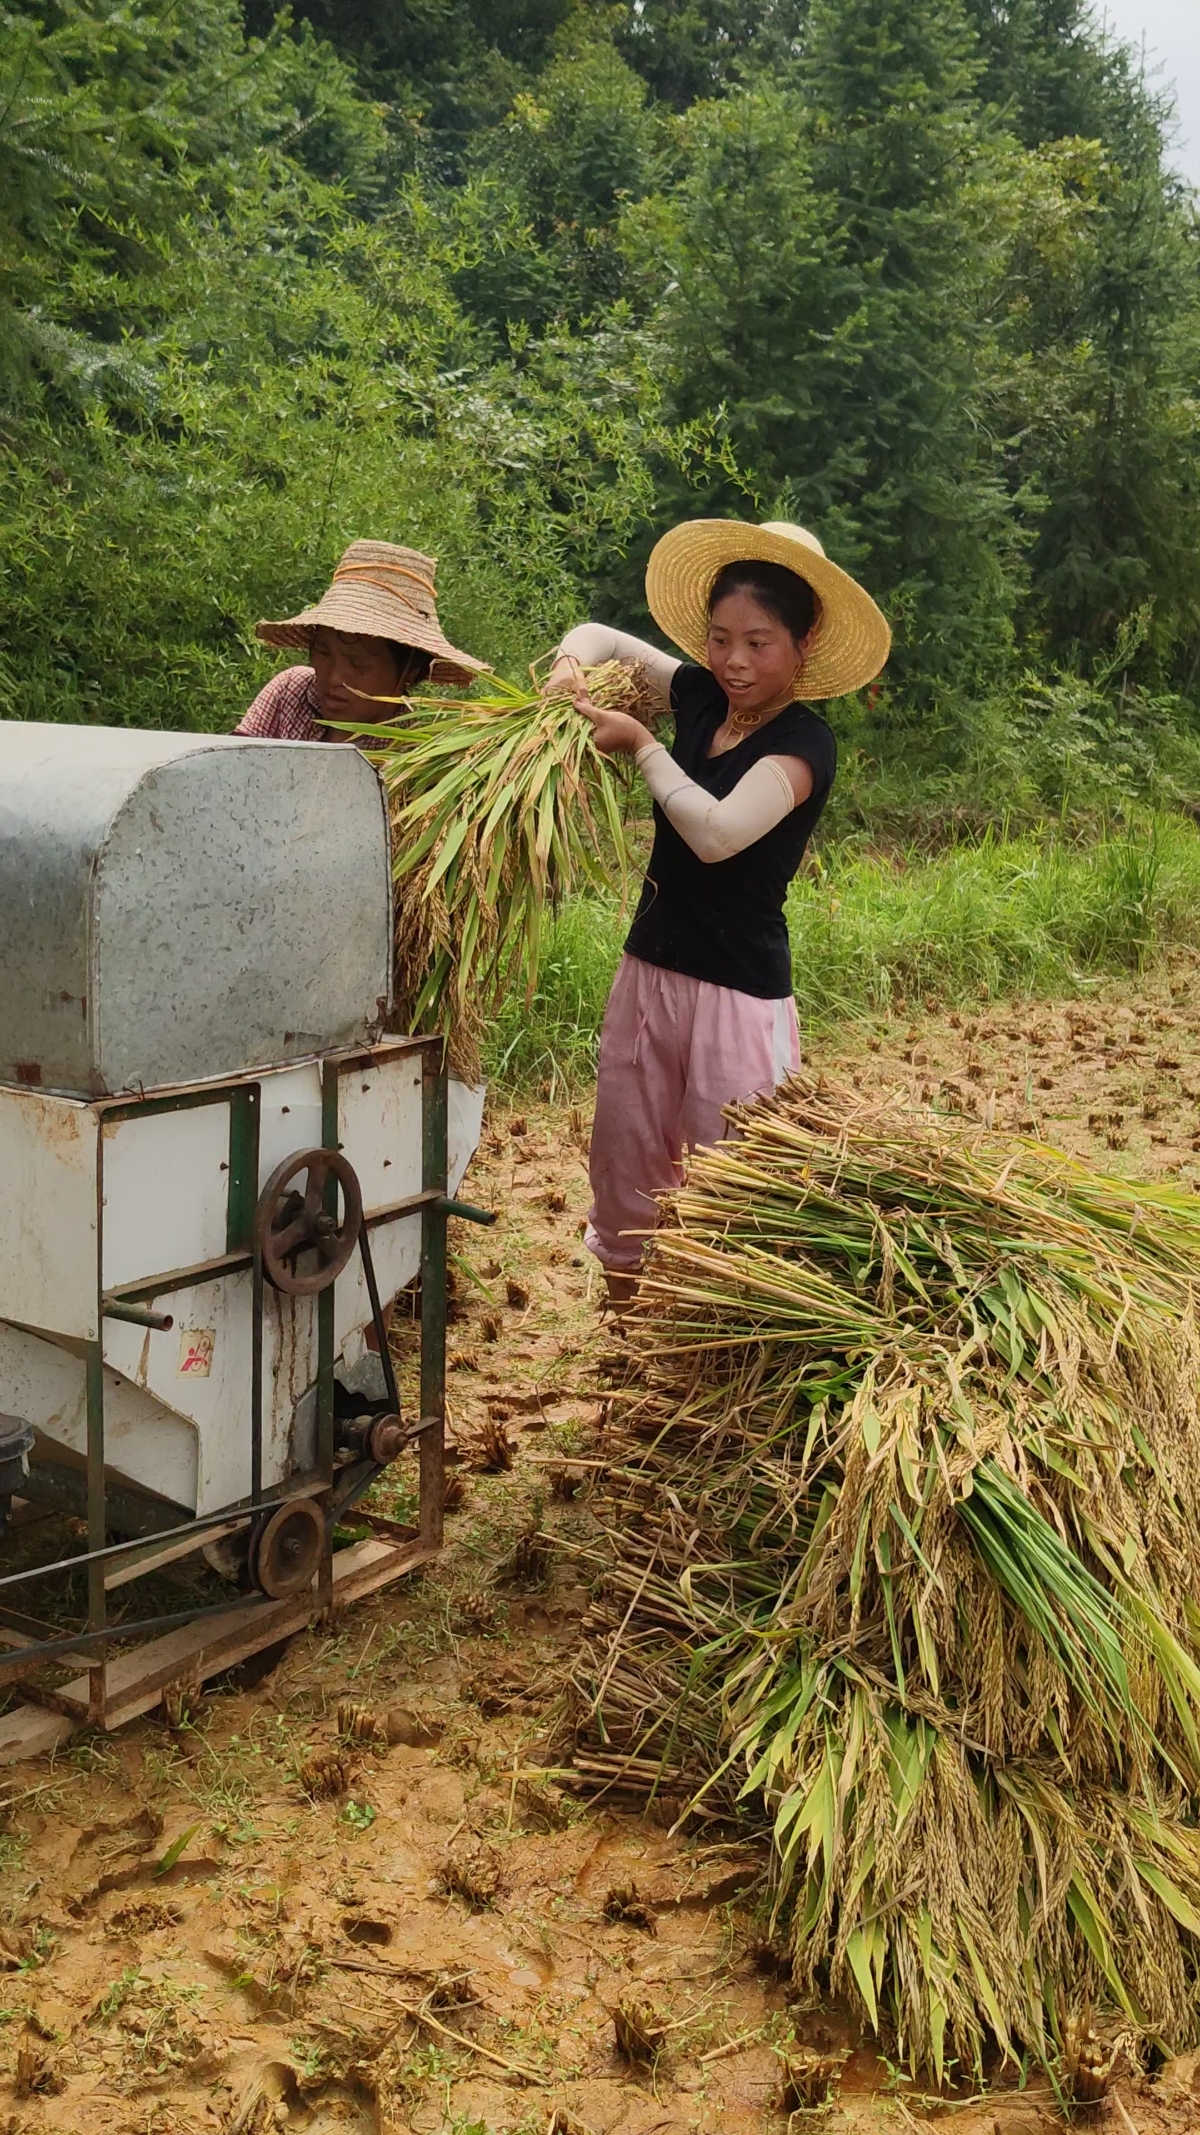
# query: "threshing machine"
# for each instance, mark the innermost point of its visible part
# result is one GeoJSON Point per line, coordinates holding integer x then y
{"type": "Point", "coordinates": [217, 1167]}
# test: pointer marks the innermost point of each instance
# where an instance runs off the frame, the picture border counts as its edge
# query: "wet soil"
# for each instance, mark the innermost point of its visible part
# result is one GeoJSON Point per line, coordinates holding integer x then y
{"type": "Point", "coordinates": [358, 1892]}
{"type": "Point", "coordinates": [1113, 1077]}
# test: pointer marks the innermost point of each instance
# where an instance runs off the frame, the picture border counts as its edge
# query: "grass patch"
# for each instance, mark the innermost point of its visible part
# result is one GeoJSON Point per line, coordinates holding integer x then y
{"type": "Point", "coordinates": [551, 1041]}
{"type": "Point", "coordinates": [871, 933]}
{"type": "Point", "coordinates": [1006, 916]}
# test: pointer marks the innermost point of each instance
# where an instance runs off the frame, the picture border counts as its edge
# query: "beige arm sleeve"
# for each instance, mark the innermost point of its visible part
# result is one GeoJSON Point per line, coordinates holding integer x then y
{"type": "Point", "coordinates": [593, 643]}
{"type": "Point", "coordinates": [716, 830]}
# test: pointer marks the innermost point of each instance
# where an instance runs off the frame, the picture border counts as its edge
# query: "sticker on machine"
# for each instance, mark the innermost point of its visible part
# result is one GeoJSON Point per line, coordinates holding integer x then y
{"type": "Point", "coordinates": [196, 1346]}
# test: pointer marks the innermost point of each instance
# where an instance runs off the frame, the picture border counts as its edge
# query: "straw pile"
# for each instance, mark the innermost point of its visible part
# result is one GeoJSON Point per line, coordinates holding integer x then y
{"type": "Point", "coordinates": [904, 1555]}
{"type": "Point", "coordinates": [500, 805]}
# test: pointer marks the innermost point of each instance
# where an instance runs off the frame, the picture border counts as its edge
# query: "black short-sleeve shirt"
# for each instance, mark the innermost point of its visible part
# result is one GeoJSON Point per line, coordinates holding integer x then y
{"type": "Point", "coordinates": [722, 920]}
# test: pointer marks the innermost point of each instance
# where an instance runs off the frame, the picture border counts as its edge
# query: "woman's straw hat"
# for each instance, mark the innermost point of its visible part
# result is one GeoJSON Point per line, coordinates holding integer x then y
{"type": "Point", "coordinates": [380, 591]}
{"type": "Point", "coordinates": [850, 638]}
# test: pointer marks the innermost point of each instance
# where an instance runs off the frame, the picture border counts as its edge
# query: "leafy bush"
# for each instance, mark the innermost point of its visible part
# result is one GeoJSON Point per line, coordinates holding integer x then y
{"type": "Point", "coordinates": [1076, 751]}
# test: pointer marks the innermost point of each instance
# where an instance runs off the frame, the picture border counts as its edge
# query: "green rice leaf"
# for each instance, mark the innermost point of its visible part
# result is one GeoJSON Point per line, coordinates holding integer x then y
{"type": "Point", "coordinates": [858, 1952]}
{"type": "Point", "coordinates": [1179, 1907]}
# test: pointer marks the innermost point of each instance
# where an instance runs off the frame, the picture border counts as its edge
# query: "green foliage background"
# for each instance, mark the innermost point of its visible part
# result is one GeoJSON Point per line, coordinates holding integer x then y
{"type": "Point", "coordinates": [523, 284]}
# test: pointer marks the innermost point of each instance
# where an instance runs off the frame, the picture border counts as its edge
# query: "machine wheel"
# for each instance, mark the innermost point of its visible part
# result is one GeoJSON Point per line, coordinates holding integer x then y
{"type": "Point", "coordinates": [291, 1219]}
{"type": "Point", "coordinates": [285, 1548]}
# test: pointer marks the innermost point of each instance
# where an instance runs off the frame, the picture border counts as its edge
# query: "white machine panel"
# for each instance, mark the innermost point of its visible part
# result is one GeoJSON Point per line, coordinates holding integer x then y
{"type": "Point", "coordinates": [48, 1272]}
{"type": "Point", "coordinates": [165, 1191]}
{"type": "Point", "coordinates": [464, 1125]}
{"type": "Point", "coordinates": [199, 1370]}
{"type": "Point", "coordinates": [145, 1445]}
{"type": "Point", "coordinates": [289, 1116]}
{"type": "Point", "coordinates": [396, 1251]}
{"type": "Point", "coordinates": [380, 1128]}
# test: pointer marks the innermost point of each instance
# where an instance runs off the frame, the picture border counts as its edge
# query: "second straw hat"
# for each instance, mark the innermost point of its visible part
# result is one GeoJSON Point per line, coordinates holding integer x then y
{"type": "Point", "coordinates": [850, 639]}
{"type": "Point", "coordinates": [382, 591]}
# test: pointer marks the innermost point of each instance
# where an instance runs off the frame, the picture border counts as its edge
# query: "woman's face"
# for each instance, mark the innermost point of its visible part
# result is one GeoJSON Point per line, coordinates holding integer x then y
{"type": "Point", "coordinates": [343, 662]}
{"type": "Point", "coordinates": [753, 656]}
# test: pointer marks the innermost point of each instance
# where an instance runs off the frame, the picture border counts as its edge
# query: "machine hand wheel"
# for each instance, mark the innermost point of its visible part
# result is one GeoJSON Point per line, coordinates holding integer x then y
{"type": "Point", "coordinates": [292, 1220]}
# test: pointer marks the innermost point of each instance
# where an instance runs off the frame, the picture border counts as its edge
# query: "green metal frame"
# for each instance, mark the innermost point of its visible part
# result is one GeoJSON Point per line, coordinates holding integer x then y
{"type": "Point", "coordinates": [434, 1171]}
{"type": "Point", "coordinates": [330, 1138]}
{"type": "Point", "coordinates": [97, 1525]}
{"type": "Point", "coordinates": [245, 1108]}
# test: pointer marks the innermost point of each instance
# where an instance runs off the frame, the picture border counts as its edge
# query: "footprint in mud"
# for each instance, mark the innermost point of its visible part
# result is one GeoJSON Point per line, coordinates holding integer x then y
{"type": "Point", "coordinates": [361, 1928]}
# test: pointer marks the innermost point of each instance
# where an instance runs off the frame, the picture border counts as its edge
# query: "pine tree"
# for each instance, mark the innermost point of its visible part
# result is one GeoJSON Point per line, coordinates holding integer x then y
{"type": "Point", "coordinates": [901, 141]}
{"type": "Point", "coordinates": [691, 50]}
{"type": "Point", "coordinates": [828, 245]}
{"type": "Point", "coordinates": [1100, 330]}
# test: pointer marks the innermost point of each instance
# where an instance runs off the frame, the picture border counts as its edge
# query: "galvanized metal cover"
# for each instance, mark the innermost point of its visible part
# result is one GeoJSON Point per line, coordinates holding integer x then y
{"type": "Point", "coordinates": [175, 907]}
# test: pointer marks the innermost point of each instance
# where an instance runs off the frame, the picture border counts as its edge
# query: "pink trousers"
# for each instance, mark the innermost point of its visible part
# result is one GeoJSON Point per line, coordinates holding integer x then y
{"type": "Point", "coordinates": [673, 1052]}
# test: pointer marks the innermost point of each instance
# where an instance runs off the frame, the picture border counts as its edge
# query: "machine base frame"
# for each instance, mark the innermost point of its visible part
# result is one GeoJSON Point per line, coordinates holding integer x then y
{"type": "Point", "coordinates": [206, 1647]}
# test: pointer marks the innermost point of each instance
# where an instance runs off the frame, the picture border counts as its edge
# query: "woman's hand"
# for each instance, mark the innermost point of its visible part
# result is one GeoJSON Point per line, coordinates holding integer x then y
{"type": "Point", "coordinates": [565, 677]}
{"type": "Point", "coordinates": [614, 733]}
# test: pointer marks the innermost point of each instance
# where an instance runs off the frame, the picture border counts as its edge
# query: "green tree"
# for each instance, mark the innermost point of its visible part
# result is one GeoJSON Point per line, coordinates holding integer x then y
{"type": "Point", "coordinates": [537, 221]}
{"type": "Point", "coordinates": [448, 69]}
{"type": "Point", "coordinates": [900, 141]}
{"type": "Point", "coordinates": [234, 356]}
{"type": "Point", "coordinates": [828, 250]}
{"type": "Point", "coordinates": [1054, 74]}
{"type": "Point", "coordinates": [911, 273]}
{"type": "Point", "coordinates": [1099, 347]}
{"type": "Point", "coordinates": [691, 50]}
{"type": "Point", "coordinates": [1099, 338]}
{"type": "Point", "coordinates": [118, 123]}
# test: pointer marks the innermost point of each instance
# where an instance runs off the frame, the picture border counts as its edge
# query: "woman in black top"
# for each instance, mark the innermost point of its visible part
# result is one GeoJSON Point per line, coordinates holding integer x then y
{"type": "Point", "coordinates": [701, 1013]}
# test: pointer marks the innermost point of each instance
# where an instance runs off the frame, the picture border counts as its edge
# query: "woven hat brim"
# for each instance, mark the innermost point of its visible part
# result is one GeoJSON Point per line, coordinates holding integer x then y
{"type": "Point", "coordinates": [353, 608]}
{"type": "Point", "coordinates": [851, 638]}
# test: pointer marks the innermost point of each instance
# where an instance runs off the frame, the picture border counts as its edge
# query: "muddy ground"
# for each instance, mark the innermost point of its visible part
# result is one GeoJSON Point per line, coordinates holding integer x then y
{"type": "Point", "coordinates": [359, 1893]}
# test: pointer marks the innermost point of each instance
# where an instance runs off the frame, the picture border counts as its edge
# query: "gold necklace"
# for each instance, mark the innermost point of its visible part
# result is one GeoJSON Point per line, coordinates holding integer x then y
{"type": "Point", "coordinates": [745, 722]}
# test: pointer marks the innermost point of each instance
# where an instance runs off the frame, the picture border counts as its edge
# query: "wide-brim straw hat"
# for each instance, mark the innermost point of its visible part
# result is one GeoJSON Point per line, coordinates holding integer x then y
{"type": "Point", "coordinates": [381, 591]}
{"type": "Point", "coordinates": [850, 639]}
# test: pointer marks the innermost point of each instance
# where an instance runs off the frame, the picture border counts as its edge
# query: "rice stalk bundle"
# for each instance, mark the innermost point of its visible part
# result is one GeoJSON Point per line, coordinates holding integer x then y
{"type": "Point", "coordinates": [904, 1558]}
{"type": "Point", "coordinates": [500, 805]}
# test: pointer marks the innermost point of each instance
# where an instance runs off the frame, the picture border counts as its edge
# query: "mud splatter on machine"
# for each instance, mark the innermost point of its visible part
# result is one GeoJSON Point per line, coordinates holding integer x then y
{"type": "Point", "coordinates": [216, 1168]}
